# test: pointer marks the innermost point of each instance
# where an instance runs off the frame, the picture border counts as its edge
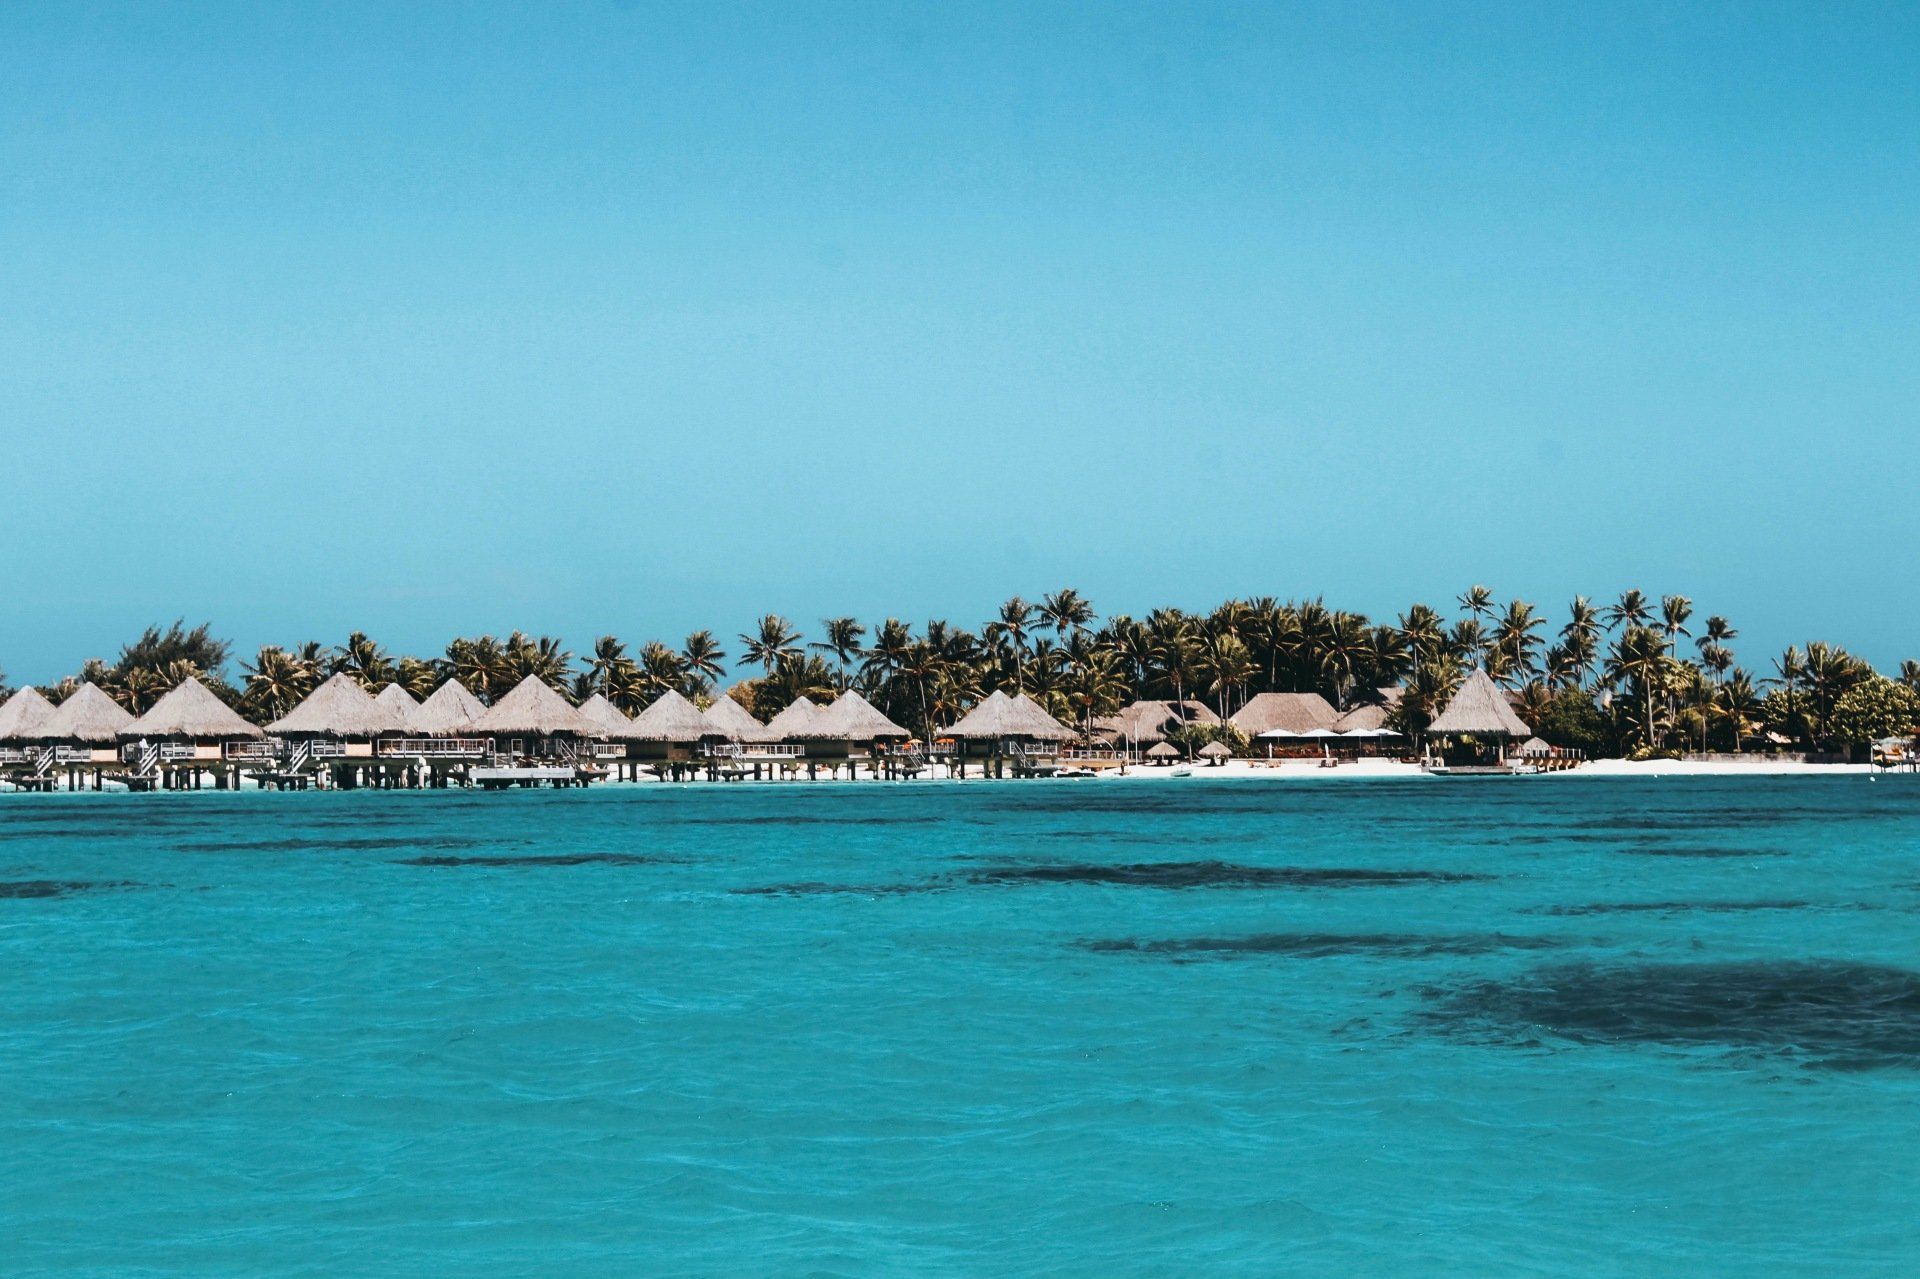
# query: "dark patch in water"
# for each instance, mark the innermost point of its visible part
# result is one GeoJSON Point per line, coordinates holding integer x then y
{"type": "Point", "coordinates": [1211, 874]}
{"type": "Point", "coordinates": [34, 888]}
{"type": "Point", "coordinates": [1623, 908]}
{"type": "Point", "coordinates": [1824, 1012]}
{"type": "Point", "coordinates": [849, 818]}
{"type": "Point", "coordinates": [530, 859]}
{"type": "Point", "coordinates": [1328, 945]}
{"type": "Point", "coordinates": [1698, 850]}
{"type": "Point", "coordinates": [816, 889]}
{"type": "Point", "coordinates": [295, 843]}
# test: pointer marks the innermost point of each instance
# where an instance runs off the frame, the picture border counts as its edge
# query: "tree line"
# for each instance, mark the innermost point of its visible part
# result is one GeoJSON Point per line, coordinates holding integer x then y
{"type": "Point", "coordinates": [1638, 675]}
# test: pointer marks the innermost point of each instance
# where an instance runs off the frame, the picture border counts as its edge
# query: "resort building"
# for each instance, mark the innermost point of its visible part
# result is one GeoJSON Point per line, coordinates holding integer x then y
{"type": "Point", "coordinates": [334, 734]}
{"type": "Point", "coordinates": [20, 716]}
{"type": "Point", "coordinates": [851, 729]}
{"type": "Point", "coordinates": [740, 745]}
{"type": "Point", "coordinates": [667, 735]}
{"type": "Point", "coordinates": [534, 723]}
{"type": "Point", "coordinates": [1480, 711]}
{"type": "Point", "coordinates": [1004, 729]}
{"type": "Point", "coordinates": [80, 739]}
{"type": "Point", "coordinates": [794, 723]}
{"type": "Point", "coordinates": [188, 736]}
{"type": "Point", "coordinates": [450, 711]}
{"type": "Point", "coordinates": [400, 702]}
{"type": "Point", "coordinates": [1269, 715]}
{"type": "Point", "coordinates": [1142, 724]}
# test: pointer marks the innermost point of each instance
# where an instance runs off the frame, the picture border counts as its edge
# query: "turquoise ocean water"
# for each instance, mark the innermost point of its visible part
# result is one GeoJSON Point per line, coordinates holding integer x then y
{"type": "Point", "coordinates": [1542, 1026]}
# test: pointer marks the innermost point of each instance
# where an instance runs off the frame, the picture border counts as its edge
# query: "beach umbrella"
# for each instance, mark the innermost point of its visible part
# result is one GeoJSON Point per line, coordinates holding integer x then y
{"type": "Point", "coordinates": [1216, 751]}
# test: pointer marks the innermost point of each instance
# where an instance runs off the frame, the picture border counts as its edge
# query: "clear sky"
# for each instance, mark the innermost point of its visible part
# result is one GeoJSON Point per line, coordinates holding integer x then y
{"type": "Point", "coordinates": [609, 317]}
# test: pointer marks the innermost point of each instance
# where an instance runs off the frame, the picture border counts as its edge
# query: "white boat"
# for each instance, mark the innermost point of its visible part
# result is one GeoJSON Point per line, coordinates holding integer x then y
{"type": "Point", "coordinates": [1181, 770]}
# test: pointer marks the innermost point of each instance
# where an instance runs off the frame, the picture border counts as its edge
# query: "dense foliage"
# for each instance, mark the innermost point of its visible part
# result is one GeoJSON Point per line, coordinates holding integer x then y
{"type": "Point", "coordinates": [1638, 675]}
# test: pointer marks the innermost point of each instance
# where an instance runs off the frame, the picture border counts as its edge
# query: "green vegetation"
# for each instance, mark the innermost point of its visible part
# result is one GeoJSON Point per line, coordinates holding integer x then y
{"type": "Point", "coordinates": [1638, 676]}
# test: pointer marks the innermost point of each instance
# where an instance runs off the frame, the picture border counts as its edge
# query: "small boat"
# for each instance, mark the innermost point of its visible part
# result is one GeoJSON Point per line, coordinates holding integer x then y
{"type": "Point", "coordinates": [1181, 770]}
{"type": "Point", "coordinates": [1075, 772]}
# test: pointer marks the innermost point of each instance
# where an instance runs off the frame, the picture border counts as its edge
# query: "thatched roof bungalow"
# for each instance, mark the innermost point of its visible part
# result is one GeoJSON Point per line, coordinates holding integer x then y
{"type": "Point", "coordinates": [191, 728]}
{"type": "Point", "coordinates": [1479, 709]}
{"type": "Point", "coordinates": [730, 721]}
{"type": "Point", "coordinates": [448, 711]}
{"type": "Point", "coordinates": [1014, 719]}
{"type": "Point", "coordinates": [612, 720]}
{"type": "Point", "coordinates": [1284, 714]}
{"type": "Point", "coordinates": [534, 720]}
{"type": "Point", "coordinates": [339, 710]}
{"type": "Point", "coordinates": [852, 719]}
{"type": "Point", "coordinates": [22, 714]}
{"type": "Point", "coordinates": [1148, 721]}
{"type": "Point", "coordinates": [86, 720]}
{"type": "Point", "coordinates": [670, 727]}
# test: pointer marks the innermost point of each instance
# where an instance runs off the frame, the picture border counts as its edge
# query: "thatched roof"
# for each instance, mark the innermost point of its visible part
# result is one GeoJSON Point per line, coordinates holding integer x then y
{"type": "Point", "coordinates": [400, 702]}
{"type": "Point", "coordinates": [1216, 750]}
{"type": "Point", "coordinates": [729, 719]}
{"type": "Point", "coordinates": [22, 713]}
{"type": "Point", "coordinates": [1003, 716]}
{"type": "Point", "coordinates": [1362, 718]}
{"type": "Point", "coordinates": [1534, 746]}
{"type": "Point", "coordinates": [1148, 721]}
{"type": "Point", "coordinates": [339, 708]}
{"type": "Point", "coordinates": [670, 718]}
{"type": "Point", "coordinates": [535, 709]}
{"type": "Point", "coordinates": [853, 718]}
{"type": "Point", "coordinates": [1480, 709]}
{"type": "Point", "coordinates": [192, 711]}
{"type": "Point", "coordinates": [448, 711]}
{"type": "Point", "coordinates": [1162, 750]}
{"type": "Point", "coordinates": [796, 723]}
{"type": "Point", "coordinates": [88, 717]}
{"type": "Point", "coordinates": [613, 721]}
{"type": "Point", "coordinates": [1289, 712]}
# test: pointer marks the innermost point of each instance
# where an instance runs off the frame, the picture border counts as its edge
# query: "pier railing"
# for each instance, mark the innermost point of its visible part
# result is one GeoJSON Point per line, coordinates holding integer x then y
{"type": "Point", "coordinates": [435, 747]}
{"type": "Point", "coordinates": [258, 751]}
{"type": "Point", "coordinates": [174, 752]}
{"type": "Point", "coordinates": [752, 750]}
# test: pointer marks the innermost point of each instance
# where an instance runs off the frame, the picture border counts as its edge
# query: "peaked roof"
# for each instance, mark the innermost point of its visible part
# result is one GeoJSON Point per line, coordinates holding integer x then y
{"type": "Point", "coordinates": [1288, 712]}
{"type": "Point", "coordinates": [1364, 717]}
{"type": "Point", "coordinates": [855, 719]}
{"type": "Point", "coordinates": [448, 710]}
{"type": "Point", "coordinates": [400, 702]}
{"type": "Point", "coordinates": [533, 707]}
{"type": "Point", "coordinates": [25, 711]}
{"type": "Point", "coordinates": [1149, 721]}
{"type": "Point", "coordinates": [340, 708]}
{"type": "Point", "coordinates": [609, 718]}
{"type": "Point", "coordinates": [668, 718]}
{"type": "Point", "coordinates": [1480, 708]}
{"type": "Point", "coordinates": [797, 721]}
{"type": "Point", "coordinates": [1003, 716]}
{"type": "Point", "coordinates": [730, 720]}
{"type": "Point", "coordinates": [87, 716]}
{"type": "Point", "coordinates": [190, 710]}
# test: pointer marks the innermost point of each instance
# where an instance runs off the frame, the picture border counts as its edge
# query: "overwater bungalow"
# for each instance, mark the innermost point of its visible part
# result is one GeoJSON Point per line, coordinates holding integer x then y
{"type": "Point", "coordinates": [187, 736]}
{"type": "Point", "coordinates": [665, 737]}
{"type": "Point", "coordinates": [442, 737]}
{"type": "Point", "coordinates": [1002, 729]}
{"type": "Point", "coordinates": [741, 746]}
{"type": "Point", "coordinates": [20, 715]}
{"type": "Point", "coordinates": [80, 739]}
{"type": "Point", "coordinates": [794, 723]}
{"type": "Point", "coordinates": [1480, 712]}
{"type": "Point", "coordinates": [533, 722]}
{"type": "Point", "coordinates": [852, 728]}
{"type": "Point", "coordinates": [334, 735]}
{"type": "Point", "coordinates": [450, 711]}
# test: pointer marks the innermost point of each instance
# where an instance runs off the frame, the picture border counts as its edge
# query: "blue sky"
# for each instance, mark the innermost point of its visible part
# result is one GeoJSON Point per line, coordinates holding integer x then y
{"type": "Point", "coordinates": [586, 318]}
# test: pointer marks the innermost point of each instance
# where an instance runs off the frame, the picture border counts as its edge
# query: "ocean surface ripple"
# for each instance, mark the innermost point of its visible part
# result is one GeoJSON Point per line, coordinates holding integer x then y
{"type": "Point", "coordinates": [1548, 1026]}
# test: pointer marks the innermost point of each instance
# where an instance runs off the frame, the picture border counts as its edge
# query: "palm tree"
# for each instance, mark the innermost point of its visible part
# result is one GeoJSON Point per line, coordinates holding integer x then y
{"type": "Point", "coordinates": [1641, 664]}
{"type": "Point", "coordinates": [1632, 610]}
{"type": "Point", "coordinates": [1515, 641]}
{"type": "Point", "coordinates": [702, 660]}
{"type": "Point", "coordinates": [1581, 639]}
{"type": "Point", "coordinates": [366, 661]}
{"type": "Point", "coordinates": [1674, 612]}
{"type": "Point", "coordinates": [1065, 610]}
{"type": "Point", "coordinates": [608, 655]}
{"type": "Point", "coordinates": [1016, 618]}
{"type": "Point", "coordinates": [1910, 674]}
{"type": "Point", "coordinates": [772, 643]}
{"type": "Point", "coordinates": [1226, 664]}
{"type": "Point", "coordinates": [276, 682]}
{"type": "Point", "coordinates": [843, 636]}
{"type": "Point", "coordinates": [1737, 705]}
{"type": "Point", "coordinates": [1172, 638]}
{"type": "Point", "coordinates": [417, 677]}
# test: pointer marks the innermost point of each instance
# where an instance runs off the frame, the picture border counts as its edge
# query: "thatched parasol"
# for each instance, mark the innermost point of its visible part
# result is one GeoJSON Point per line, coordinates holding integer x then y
{"type": "Point", "coordinates": [1216, 750]}
{"type": "Point", "coordinates": [730, 720]}
{"type": "Point", "coordinates": [1162, 750]}
{"type": "Point", "coordinates": [669, 718]}
{"type": "Point", "coordinates": [852, 718]}
{"type": "Point", "coordinates": [534, 709]}
{"type": "Point", "coordinates": [1479, 709]}
{"type": "Point", "coordinates": [449, 711]}
{"type": "Point", "coordinates": [190, 711]}
{"type": "Point", "coordinates": [24, 712]}
{"type": "Point", "coordinates": [338, 708]}
{"type": "Point", "coordinates": [1003, 716]}
{"type": "Point", "coordinates": [88, 717]}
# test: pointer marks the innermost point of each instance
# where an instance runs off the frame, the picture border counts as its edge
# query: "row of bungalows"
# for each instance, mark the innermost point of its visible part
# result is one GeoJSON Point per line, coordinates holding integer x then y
{"type": "Point", "coordinates": [186, 738]}
{"type": "Point", "coordinates": [1006, 733]}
